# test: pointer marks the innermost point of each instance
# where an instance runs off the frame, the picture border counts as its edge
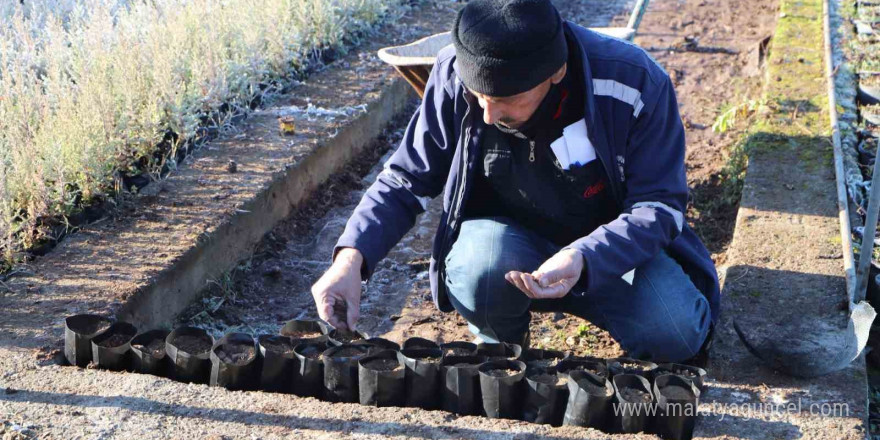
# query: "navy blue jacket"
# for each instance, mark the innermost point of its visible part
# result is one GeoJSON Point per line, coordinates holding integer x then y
{"type": "Point", "coordinates": [634, 125]}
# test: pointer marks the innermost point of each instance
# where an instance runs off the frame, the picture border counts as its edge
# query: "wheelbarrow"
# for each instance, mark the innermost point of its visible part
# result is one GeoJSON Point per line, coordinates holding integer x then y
{"type": "Point", "coordinates": [413, 61]}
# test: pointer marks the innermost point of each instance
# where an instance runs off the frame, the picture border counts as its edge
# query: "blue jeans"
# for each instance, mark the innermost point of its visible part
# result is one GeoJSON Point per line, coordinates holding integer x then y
{"type": "Point", "coordinates": [662, 316]}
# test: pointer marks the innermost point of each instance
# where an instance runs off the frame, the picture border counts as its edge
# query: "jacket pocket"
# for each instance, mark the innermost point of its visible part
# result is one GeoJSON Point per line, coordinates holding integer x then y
{"type": "Point", "coordinates": [497, 163]}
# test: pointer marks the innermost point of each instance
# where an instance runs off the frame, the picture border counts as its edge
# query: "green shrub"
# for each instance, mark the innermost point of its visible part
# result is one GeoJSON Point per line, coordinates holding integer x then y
{"type": "Point", "coordinates": [88, 88]}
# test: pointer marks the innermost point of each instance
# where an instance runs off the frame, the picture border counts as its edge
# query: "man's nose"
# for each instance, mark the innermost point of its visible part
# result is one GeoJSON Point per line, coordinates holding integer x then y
{"type": "Point", "coordinates": [491, 113]}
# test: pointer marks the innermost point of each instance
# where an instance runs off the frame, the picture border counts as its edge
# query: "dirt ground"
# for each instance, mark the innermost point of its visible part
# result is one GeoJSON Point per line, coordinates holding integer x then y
{"type": "Point", "coordinates": [708, 49]}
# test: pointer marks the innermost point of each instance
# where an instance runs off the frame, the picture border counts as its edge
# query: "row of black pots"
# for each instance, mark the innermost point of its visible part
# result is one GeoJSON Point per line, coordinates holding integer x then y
{"type": "Point", "coordinates": [311, 359]}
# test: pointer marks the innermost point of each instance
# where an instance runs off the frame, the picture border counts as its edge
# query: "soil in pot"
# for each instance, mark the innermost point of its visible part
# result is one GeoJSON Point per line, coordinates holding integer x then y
{"type": "Point", "coordinates": [501, 383]}
{"type": "Point", "coordinates": [416, 342]}
{"type": "Point", "coordinates": [234, 362]}
{"type": "Point", "coordinates": [460, 383]}
{"type": "Point", "coordinates": [381, 379]}
{"type": "Point", "coordinates": [379, 344]}
{"type": "Point", "coordinates": [677, 402]}
{"type": "Point", "coordinates": [500, 351]}
{"type": "Point", "coordinates": [304, 329]}
{"type": "Point", "coordinates": [279, 362]}
{"type": "Point", "coordinates": [148, 353]}
{"type": "Point", "coordinates": [188, 349]}
{"type": "Point", "coordinates": [595, 367]}
{"type": "Point", "coordinates": [422, 376]}
{"type": "Point", "coordinates": [696, 375]}
{"type": "Point", "coordinates": [78, 333]}
{"type": "Point", "coordinates": [634, 397]}
{"type": "Point", "coordinates": [624, 365]}
{"type": "Point", "coordinates": [341, 372]}
{"type": "Point", "coordinates": [458, 348]}
{"type": "Point", "coordinates": [546, 396]}
{"type": "Point", "coordinates": [111, 349]}
{"type": "Point", "coordinates": [340, 336]}
{"type": "Point", "coordinates": [590, 399]}
{"type": "Point", "coordinates": [308, 374]}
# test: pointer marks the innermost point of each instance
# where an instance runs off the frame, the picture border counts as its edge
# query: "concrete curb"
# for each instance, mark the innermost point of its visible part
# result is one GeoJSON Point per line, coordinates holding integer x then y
{"type": "Point", "coordinates": [233, 240]}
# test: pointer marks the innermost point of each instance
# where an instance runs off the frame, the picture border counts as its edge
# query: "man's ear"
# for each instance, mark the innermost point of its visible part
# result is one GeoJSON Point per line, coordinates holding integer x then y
{"type": "Point", "coordinates": [557, 77]}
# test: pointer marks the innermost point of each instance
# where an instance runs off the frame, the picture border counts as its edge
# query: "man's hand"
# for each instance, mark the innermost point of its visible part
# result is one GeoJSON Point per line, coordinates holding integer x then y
{"type": "Point", "coordinates": [337, 293]}
{"type": "Point", "coordinates": [553, 279]}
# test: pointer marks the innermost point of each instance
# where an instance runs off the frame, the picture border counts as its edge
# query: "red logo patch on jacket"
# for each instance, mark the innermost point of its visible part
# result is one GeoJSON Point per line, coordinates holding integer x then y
{"type": "Point", "coordinates": [594, 189]}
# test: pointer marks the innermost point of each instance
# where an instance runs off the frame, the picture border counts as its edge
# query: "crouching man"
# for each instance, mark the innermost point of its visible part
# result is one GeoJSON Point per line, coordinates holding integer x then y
{"type": "Point", "coordinates": [560, 156]}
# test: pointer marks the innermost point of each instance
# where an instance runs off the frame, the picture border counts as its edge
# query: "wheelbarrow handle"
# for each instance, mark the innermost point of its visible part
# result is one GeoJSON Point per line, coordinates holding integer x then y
{"type": "Point", "coordinates": [635, 19]}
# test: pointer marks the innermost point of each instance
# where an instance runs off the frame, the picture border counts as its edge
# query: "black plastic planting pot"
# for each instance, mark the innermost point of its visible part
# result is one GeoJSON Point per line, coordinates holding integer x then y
{"type": "Point", "coordinates": [501, 388]}
{"type": "Point", "coordinates": [78, 333]}
{"type": "Point", "coordinates": [235, 362]}
{"type": "Point", "coordinates": [188, 349]}
{"type": "Point", "coordinates": [459, 348]}
{"type": "Point", "coordinates": [633, 398]}
{"type": "Point", "coordinates": [541, 358]}
{"type": "Point", "coordinates": [111, 349]}
{"type": "Point", "coordinates": [308, 375]}
{"type": "Point", "coordinates": [590, 397]}
{"type": "Point", "coordinates": [696, 375]}
{"type": "Point", "coordinates": [596, 367]}
{"type": "Point", "coordinates": [379, 344]}
{"type": "Point", "coordinates": [677, 401]}
{"type": "Point", "coordinates": [305, 330]}
{"type": "Point", "coordinates": [500, 351]}
{"type": "Point", "coordinates": [279, 362]}
{"type": "Point", "coordinates": [148, 353]}
{"type": "Point", "coordinates": [339, 337]}
{"type": "Point", "coordinates": [416, 342]}
{"type": "Point", "coordinates": [422, 376]}
{"type": "Point", "coordinates": [545, 397]}
{"type": "Point", "coordinates": [460, 381]}
{"type": "Point", "coordinates": [341, 372]}
{"type": "Point", "coordinates": [381, 379]}
{"type": "Point", "coordinates": [624, 365]}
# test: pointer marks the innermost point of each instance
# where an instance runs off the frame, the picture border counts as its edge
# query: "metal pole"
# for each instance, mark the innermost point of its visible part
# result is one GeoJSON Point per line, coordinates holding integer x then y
{"type": "Point", "coordinates": [635, 19]}
{"type": "Point", "coordinates": [842, 201]}
{"type": "Point", "coordinates": [867, 248]}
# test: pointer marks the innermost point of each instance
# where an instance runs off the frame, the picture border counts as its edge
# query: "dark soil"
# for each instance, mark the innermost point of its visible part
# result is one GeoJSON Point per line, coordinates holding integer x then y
{"type": "Point", "coordinates": [346, 336]}
{"type": "Point", "coordinates": [348, 352]}
{"type": "Point", "coordinates": [312, 351]}
{"type": "Point", "coordinates": [236, 353]}
{"type": "Point", "coordinates": [114, 340]}
{"type": "Point", "coordinates": [192, 344]}
{"type": "Point", "coordinates": [635, 395]}
{"type": "Point", "coordinates": [277, 345]}
{"type": "Point", "coordinates": [457, 352]}
{"type": "Point", "coordinates": [303, 334]}
{"type": "Point", "coordinates": [89, 327]}
{"type": "Point", "coordinates": [156, 348]}
{"type": "Point", "coordinates": [548, 378]}
{"type": "Point", "coordinates": [421, 344]}
{"type": "Point", "coordinates": [676, 392]}
{"type": "Point", "coordinates": [502, 372]}
{"type": "Point", "coordinates": [382, 364]}
{"type": "Point", "coordinates": [427, 357]}
{"type": "Point", "coordinates": [633, 367]}
{"type": "Point", "coordinates": [543, 363]}
{"type": "Point", "coordinates": [589, 368]}
{"type": "Point", "coordinates": [593, 386]}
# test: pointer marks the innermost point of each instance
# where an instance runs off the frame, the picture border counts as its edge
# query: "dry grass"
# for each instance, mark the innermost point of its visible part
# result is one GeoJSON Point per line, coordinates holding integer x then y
{"type": "Point", "coordinates": [89, 88]}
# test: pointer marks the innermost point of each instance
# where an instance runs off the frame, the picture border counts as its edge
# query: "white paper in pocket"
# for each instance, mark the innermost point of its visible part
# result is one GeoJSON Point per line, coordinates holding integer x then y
{"type": "Point", "coordinates": [580, 149]}
{"type": "Point", "coordinates": [561, 151]}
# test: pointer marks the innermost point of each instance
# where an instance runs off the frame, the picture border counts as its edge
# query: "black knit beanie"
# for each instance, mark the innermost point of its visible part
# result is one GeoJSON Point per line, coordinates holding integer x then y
{"type": "Point", "coordinates": [505, 47]}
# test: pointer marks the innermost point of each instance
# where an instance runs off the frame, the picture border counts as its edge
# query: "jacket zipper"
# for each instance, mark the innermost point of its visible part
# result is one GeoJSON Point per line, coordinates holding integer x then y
{"type": "Point", "coordinates": [460, 193]}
